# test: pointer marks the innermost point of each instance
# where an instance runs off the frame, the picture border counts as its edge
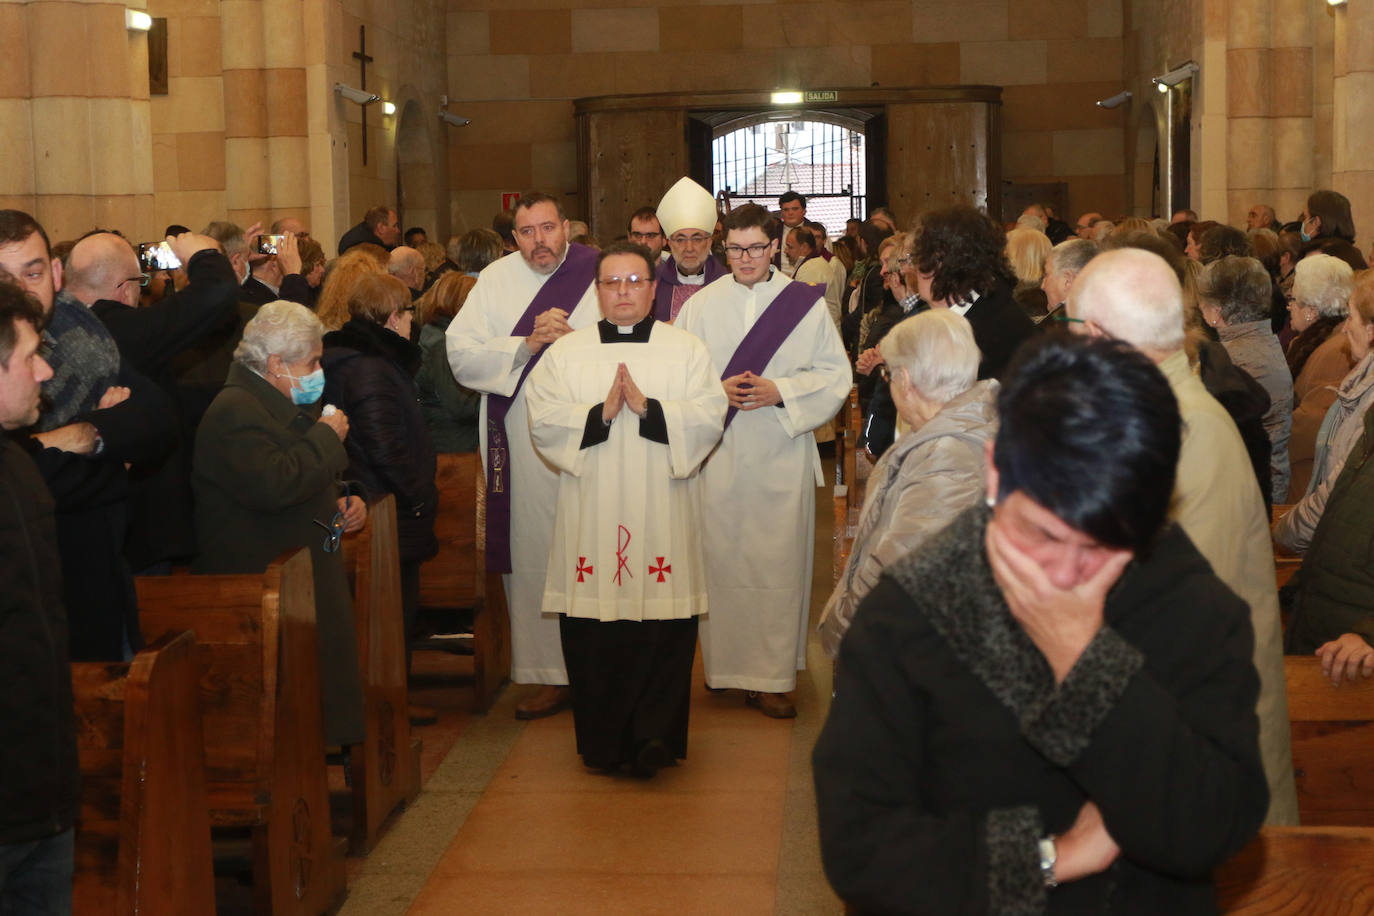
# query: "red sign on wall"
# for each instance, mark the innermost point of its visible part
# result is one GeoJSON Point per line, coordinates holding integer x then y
{"type": "Point", "coordinates": [508, 199]}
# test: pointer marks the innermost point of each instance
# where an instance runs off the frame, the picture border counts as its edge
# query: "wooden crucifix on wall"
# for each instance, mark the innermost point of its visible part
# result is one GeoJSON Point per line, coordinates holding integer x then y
{"type": "Point", "coordinates": [363, 59]}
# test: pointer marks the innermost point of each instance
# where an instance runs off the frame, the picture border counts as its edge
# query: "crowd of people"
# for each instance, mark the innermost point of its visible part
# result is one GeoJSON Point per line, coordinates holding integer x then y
{"type": "Point", "coordinates": [1057, 637]}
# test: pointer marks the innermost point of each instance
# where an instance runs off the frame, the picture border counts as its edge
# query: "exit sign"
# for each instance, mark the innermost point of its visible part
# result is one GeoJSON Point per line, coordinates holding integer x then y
{"type": "Point", "coordinates": [821, 95]}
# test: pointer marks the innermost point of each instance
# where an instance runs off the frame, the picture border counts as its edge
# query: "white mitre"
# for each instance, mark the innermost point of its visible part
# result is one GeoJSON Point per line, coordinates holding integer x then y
{"type": "Point", "coordinates": [687, 205]}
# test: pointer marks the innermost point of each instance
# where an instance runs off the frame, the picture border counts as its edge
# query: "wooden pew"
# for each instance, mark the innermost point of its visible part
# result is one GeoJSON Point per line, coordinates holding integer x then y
{"type": "Point", "coordinates": [1333, 745]}
{"type": "Point", "coordinates": [1301, 871]}
{"type": "Point", "coordinates": [457, 576]}
{"type": "Point", "coordinates": [386, 766]}
{"type": "Point", "coordinates": [143, 841]}
{"type": "Point", "coordinates": [264, 742]}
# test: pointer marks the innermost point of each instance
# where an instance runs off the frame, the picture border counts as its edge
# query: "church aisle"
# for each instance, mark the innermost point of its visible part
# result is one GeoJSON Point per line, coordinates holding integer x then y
{"type": "Point", "coordinates": [512, 823]}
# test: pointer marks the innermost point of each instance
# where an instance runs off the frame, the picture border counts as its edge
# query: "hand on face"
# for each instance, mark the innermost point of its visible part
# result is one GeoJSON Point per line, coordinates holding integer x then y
{"type": "Point", "coordinates": [1061, 621]}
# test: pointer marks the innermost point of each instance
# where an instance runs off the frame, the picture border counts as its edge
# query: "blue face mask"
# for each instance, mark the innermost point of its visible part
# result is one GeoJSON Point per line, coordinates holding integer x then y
{"type": "Point", "coordinates": [1302, 230]}
{"type": "Point", "coordinates": [307, 388]}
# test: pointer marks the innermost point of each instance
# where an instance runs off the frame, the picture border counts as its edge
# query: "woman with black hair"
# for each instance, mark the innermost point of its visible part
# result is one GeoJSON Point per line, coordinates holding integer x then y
{"type": "Point", "coordinates": [958, 257]}
{"type": "Point", "coordinates": [1328, 227]}
{"type": "Point", "coordinates": [1048, 707]}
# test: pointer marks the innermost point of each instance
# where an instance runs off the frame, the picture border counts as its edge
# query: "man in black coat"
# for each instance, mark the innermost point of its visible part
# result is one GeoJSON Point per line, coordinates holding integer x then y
{"type": "Point", "coordinates": [379, 227]}
{"type": "Point", "coordinates": [38, 795]}
{"type": "Point", "coordinates": [102, 272]}
{"type": "Point", "coordinates": [1050, 706]}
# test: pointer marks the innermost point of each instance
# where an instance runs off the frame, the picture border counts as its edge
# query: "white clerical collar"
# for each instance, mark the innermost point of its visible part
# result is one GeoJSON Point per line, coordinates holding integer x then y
{"type": "Point", "coordinates": [961, 308]}
{"type": "Point", "coordinates": [696, 280]}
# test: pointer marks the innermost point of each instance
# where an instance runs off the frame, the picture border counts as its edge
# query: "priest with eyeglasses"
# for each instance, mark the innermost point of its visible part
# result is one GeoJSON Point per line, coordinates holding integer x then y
{"type": "Point", "coordinates": [626, 411]}
{"type": "Point", "coordinates": [687, 214]}
{"type": "Point", "coordinates": [785, 373]}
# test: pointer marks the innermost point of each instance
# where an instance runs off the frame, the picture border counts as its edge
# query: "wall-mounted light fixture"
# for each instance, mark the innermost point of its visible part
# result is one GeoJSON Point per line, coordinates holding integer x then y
{"type": "Point", "coordinates": [1115, 101]}
{"type": "Point", "coordinates": [388, 107]}
{"type": "Point", "coordinates": [1164, 81]}
{"type": "Point", "coordinates": [1335, 2]}
{"type": "Point", "coordinates": [361, 96]}
{"type": "Point", "coordinates": [454, 120]}
{"type": "Point", "coordinates": [786, 98]}
{"type": "Point", "coordinates": [137, 20]}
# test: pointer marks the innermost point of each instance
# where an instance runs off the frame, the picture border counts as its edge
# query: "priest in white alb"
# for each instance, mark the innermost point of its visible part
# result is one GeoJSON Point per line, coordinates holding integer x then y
{"type": "Point", "coordinates": [626, 411]}
{"type": "Point", "coordinates": [785, 373]}
{"type": "Point", "coordinates": [519, 306]}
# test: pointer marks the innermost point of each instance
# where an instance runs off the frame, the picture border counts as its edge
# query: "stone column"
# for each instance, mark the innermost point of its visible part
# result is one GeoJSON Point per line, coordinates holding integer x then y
{"type": "Point", "coordinates": [1249, 92]}
{"type": "Point", "coordinates": [77, 147]}
{"type": "Point", "coordinates": [1352, 171]}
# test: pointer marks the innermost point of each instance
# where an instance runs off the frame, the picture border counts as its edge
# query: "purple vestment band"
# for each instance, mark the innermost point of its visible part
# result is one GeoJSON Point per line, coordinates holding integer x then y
{"type": "Point", "coordinates": [561, 290]}
{"type": "Point", "coordinates": [667, 279]}
{"type": "Point", "coordinates": [774, 326]}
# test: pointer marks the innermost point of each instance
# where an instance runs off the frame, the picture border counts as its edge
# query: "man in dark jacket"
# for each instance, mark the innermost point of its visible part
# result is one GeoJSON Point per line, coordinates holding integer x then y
{"type": "Point", "coordinates": [1050, 706]}
{"type": "Point", "coordinates": [379, 227]}
{"type": "Point", "coordinates": [38, 794]}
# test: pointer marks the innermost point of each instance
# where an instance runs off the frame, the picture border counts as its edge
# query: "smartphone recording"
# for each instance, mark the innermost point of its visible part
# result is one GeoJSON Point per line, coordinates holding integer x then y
{"type": "Point", "coordinates": [157, 256]}
{"type": "Point", "coordinates": [269, 244]}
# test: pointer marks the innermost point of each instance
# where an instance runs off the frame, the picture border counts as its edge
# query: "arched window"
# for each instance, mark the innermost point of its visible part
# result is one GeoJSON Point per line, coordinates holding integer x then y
{"type": "Point", "coordinates": [816, 154]}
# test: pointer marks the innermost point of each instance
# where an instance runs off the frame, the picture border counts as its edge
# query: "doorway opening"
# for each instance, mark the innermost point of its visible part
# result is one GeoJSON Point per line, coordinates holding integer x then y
{"type": "Point", "coordinates": [822, 155]}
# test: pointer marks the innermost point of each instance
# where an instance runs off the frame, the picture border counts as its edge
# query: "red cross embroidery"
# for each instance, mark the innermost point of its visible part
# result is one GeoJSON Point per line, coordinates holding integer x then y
{"type": "Point", "coordinates": [661, 570]}
{"type": "Point", "coordinates": [582, 568]}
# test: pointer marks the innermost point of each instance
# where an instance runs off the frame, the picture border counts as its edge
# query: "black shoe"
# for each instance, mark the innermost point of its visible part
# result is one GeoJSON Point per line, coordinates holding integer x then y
{"type": "Point", "coordinates": [652, 757]}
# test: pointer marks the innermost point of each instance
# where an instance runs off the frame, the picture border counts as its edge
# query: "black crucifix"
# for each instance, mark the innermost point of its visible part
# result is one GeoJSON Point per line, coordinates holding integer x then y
{"type": "Point", "coordinates": [363, 59]}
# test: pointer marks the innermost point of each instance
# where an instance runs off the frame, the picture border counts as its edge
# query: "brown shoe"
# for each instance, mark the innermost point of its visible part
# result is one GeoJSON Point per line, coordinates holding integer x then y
{"type": "Point", "coordinates": [545, 701]}
{"type": "Point", "coordinates": [421, 715]}
{"type": "Point", "coordinates": [772, 705]}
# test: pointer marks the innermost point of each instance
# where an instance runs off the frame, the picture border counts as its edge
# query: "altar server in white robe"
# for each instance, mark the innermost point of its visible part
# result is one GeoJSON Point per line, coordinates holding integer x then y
{"type": "Point", "coordinates": [785, 373]}
{"type": "Point", "coordinates": [627, 410]}
{"type": "Point", "coordinates": [519, 306]}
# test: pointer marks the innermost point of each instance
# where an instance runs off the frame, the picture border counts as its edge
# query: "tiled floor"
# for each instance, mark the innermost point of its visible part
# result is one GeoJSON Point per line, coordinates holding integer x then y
{"type": "Point", "coordinates": [511, 822]}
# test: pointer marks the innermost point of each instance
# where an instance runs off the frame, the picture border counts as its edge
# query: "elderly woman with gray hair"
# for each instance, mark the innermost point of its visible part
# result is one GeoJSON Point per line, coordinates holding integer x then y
{"type": "Point", "coordinates": [1319, 356]}
{"type": "Point", "coordinates": [932, 472]}
{"type": "Point", "coordinates": [1236, 299]}
{"type": "Point", "coordinates": [266, 478]}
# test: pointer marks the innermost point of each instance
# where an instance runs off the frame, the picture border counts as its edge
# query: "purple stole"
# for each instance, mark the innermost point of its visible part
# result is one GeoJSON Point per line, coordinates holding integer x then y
{"type": "Point", "coordinates": [774, 326]}
{"type": "Point", "coordinates": [564, 287]}
{"type": "Point", "coordinates": [667, 279]}
{"type": "Point", "coordinates": [820, 253]}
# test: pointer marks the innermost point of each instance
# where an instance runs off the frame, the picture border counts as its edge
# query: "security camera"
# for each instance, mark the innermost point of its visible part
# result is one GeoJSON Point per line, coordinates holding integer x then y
{"type": "Point", "coordinates": [449, 117]}
{"type": "Point", "coordinates": [361, 96]}
{"type": "Point", "coordinates": [1116, 101]}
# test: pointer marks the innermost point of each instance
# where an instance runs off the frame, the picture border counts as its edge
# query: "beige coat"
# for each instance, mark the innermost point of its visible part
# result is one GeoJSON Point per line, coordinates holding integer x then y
{"type": "Point", "coordinates": [922, 482]}
{"type": "Point", "coordinates": [1218, 503]}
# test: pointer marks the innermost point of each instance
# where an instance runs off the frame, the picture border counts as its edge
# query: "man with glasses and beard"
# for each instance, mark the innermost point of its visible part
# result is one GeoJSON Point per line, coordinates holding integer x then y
{"type": "Point", "coordinates": [785, 373]}
{"type": "Point", "coordinates": [518, 307]}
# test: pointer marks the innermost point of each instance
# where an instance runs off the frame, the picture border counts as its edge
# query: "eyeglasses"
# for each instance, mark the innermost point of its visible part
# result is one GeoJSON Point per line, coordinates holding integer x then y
{"type": "Point", "coordinates": [141, 279]}
{"type": "Point", "coordinates": [645, 236]}
{"type": "Point", "coordinates": [406, 308]}
{"type": "Point", "coordinates": [754, 251]}
{"type": "Point", "coordinates": [1066, 319]}
{"type": "Point", "coordinates": [680, 239]}
{"type": "Point", "coordinates": [633, 281]}
{"type": "Point", "coordinates": [335, 529]}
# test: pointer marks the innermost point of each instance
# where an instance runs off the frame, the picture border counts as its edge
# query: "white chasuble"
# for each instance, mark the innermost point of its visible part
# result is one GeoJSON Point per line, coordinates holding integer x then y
{"type": "Point", "coordinates": [758, 489]}
{"type": "Point", "coordinates": [485, 357]}
{"type": "Point", "coordinates": [626, 540]}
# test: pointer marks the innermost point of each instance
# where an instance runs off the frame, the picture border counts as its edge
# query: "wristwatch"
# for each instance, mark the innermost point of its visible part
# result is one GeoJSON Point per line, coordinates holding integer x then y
{"type": "Point", "coordinates": [1048, 856]}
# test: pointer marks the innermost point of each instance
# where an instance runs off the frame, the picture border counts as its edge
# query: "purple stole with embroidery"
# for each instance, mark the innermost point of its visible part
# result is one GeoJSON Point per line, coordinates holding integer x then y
{"type": "Point", "coordinates": [561, 290]}
{"type": "Point", "coordinates": [667, 279]}
{"type": "Point", "coordinates": [774, 326]}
